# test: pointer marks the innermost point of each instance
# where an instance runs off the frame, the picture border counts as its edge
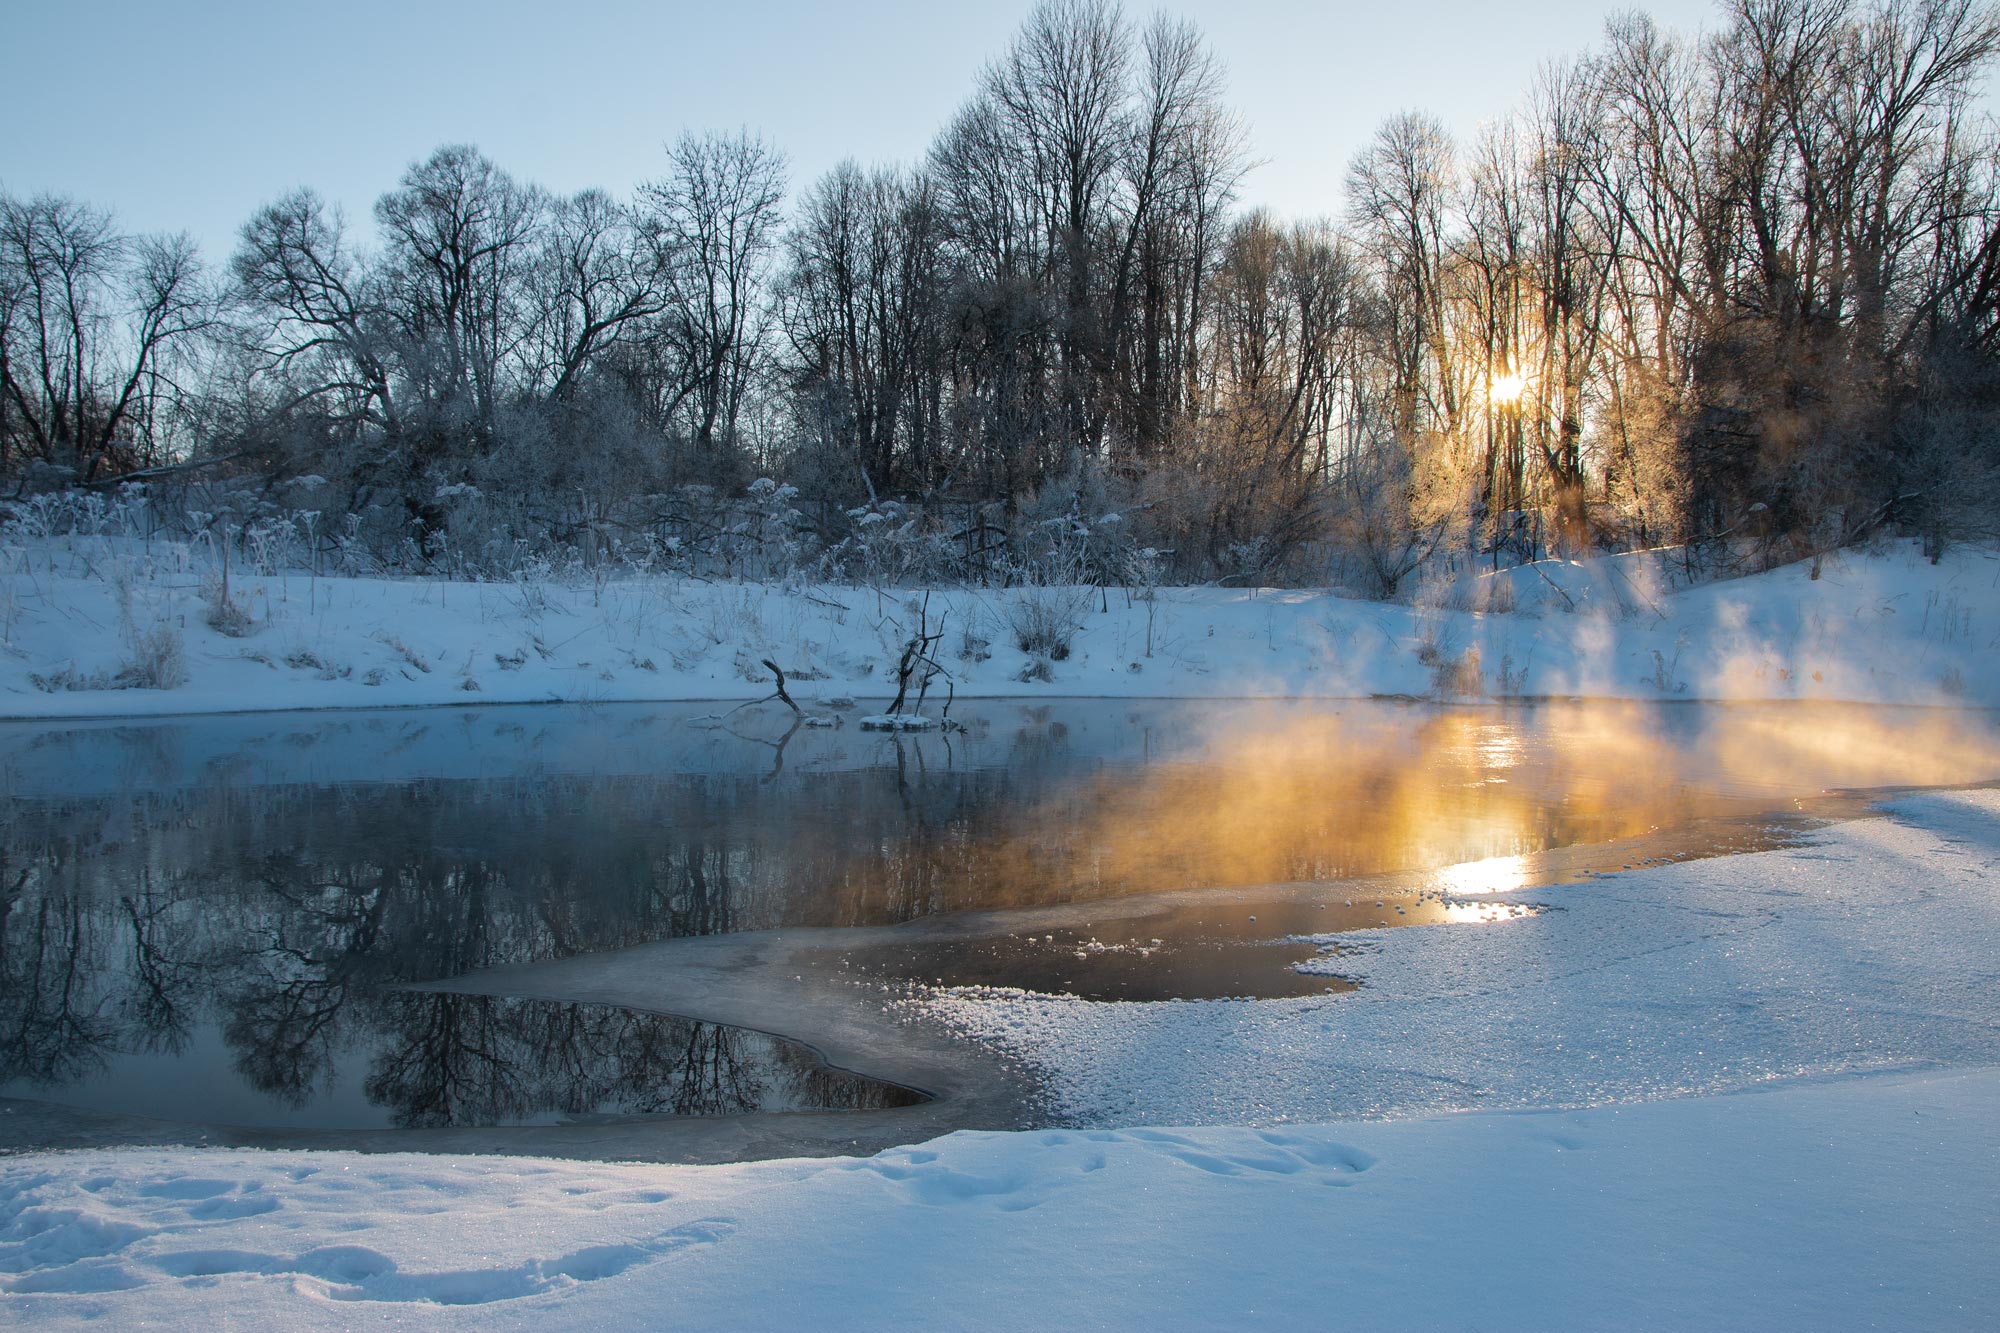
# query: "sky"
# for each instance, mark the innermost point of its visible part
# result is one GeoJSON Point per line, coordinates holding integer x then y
{"type": "Point", "coordinates": [191, 115]}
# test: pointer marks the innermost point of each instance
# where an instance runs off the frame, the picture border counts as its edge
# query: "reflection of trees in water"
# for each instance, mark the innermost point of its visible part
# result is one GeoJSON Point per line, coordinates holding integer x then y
{"type": "Point", "coordinates": [449, 1063]}
{"type": "Point", "coordinates": [156, 1004]}
{"type": "Point", "coordinates": [481, 1060]}
{"type": "Point", "coordinates": [57, 1024]}
{"type": "Point", "coordinates": [816, 1086]}
{"type": "Point", "coordinates": [284, 916]}
{"type": "Point", "coordinates": [84, 981]}
{"type": "Point", "coordinates": [714, 1074]}
{"type": "Point", "coordinates": [289, 914]}
{"type": "Point", "coordinates": [112, 946]}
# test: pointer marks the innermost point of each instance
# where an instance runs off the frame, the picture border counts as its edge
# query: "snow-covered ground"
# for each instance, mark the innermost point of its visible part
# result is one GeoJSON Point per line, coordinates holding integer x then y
{"type": "Point", "coordinates": [1868, 1203]}
{"type": "Point", "coordinates": [1839, 1002]}
{"type": "Point", "coordinates": [79, 618]}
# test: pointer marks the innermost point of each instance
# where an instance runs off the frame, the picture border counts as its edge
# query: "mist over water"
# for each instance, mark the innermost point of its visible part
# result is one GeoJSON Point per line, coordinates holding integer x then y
{"type": "Point", "coordinates": [245, 896]}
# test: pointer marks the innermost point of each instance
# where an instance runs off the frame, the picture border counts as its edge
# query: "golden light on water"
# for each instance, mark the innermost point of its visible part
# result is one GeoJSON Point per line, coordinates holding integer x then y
{"type": "Point", "coordinates": [1494, 874]}
{"type": "Point", "coordinates": [1292, 793]}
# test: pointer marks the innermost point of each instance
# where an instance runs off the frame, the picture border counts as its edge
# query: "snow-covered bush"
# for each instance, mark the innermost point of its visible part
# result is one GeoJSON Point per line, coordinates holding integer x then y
{"type": "Point", "coordinates": [1072, 531]}
{"type": "Point", "coordinates": [158, 661]}
{"type": "Point", "coordinates": [1457, 677]}
{"type": "Point", "coordinates": [226, 615]}
{"type": "Point", "coordinates": [1045, 621]}
{"type": "Point", "coordinates": [889, 542]}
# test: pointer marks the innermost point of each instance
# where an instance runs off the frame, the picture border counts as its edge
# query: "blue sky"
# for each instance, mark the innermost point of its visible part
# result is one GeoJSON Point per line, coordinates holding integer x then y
{"type": "Point", "coordinates": [190, 115]}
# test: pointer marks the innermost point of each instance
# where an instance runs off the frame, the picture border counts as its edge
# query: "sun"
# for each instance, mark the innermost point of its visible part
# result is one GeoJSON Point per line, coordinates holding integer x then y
{"type": "Point", "coordinates": [1506, 388]}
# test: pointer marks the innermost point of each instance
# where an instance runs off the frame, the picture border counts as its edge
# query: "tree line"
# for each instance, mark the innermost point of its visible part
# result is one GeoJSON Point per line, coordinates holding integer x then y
{"type": "Point", "coordinates": [1728, 292]}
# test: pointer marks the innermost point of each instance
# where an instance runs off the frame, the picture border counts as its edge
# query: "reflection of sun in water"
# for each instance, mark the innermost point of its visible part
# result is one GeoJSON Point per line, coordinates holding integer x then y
{"type": "Point", "coordinates": [1496, 874]}
{"type": "Point", "coordinates": [1500, 749]}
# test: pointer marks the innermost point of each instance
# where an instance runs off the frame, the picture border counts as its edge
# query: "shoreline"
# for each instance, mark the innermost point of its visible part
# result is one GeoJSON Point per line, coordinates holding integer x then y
{"type": "Point", "coordinates": [1884, 627]}
{"type": "Point", "coordinates": [792, 983]}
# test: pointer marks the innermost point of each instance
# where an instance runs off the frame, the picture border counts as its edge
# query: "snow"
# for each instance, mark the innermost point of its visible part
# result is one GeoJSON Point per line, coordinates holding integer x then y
{"type": "Point", "coordinates": [1835, 1002]}
{"type": "Point", "coordinates": [898, 722]}
{"type": "Point", "coordinates": [1876, 946]}
{"type": "Point", "coordinates": [1885, 626]}
{"type": "Point", "coordinates": [1865, 1202]}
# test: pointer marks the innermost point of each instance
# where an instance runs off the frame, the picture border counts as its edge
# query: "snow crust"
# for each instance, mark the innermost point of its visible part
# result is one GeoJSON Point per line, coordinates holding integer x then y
{"type": "Point", "coordinates": [1880, 627]}
{"type": "Point", "coordinates": [898, 722]}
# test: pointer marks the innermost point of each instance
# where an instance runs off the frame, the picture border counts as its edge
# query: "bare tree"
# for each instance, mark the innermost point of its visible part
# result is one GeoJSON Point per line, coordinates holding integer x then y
{"type": "Point", "coordinates": [1400, 192]}
{"type": "Point", "coordinates": [861, 301]}
{"type": "Point", "coordinates": [319, 318]}
{"type": "Point", "coordinates": [715, 216]}
{"type": "Point", "coordinates": [90, 321]}
{"type": "Point", "coordinates": [458, 232]}
{"type": "Point", "coordinates": [597, 281]}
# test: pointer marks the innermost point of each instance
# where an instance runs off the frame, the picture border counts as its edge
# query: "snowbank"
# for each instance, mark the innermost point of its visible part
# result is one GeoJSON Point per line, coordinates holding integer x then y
{"type": "Point", "coordinates": [117, 632]}
{"type": "Point", "coordinates": [1872, 1202]}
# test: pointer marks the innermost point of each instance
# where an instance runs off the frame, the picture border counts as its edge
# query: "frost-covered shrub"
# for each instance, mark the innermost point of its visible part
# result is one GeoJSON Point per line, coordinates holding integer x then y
{"type": "Point", "coordinates": [158, 662]}
{"type": "Point", "coordinates": [1076, 528]}
{"type": "Point", "coordinates": [1666, 672]}
{"type": "Point", "coordinates": [1038, 669]}
{"type": "Point", "coordinates": [227, 616]}
{"type": "Point", "coordinates": [531, 587]}
{"type": "Point", "coordinates": [1460, 677]}
{"type": "Point", "coordinates": [890, 542]}
{"type": "Point", "coordinates": [973, 646]}
{"type": "Point", "coordinates": [772, 534]}
{"type": "Point", "coordinates": [1045, 620]}
{"type": "Point", "coordinates": [64, 678]}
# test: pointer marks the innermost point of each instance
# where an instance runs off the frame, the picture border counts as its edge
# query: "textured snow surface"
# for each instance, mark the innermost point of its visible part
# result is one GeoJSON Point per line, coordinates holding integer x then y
{"type": "Point", "coordinates": [1881, 627]}
{"type": "Point", "coordinates": [1877, 945]}
{"type": "Point", "coordinates": [1865, 1202]}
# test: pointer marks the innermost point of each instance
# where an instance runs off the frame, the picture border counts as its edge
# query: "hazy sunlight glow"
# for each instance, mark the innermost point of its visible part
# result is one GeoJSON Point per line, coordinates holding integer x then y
{"type": "Point", "coordinates": [1495, 874]}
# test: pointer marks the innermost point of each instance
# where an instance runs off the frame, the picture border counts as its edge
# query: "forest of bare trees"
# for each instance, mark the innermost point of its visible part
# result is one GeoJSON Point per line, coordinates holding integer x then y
{"type": "Point", "coordinates": [1737, 294]}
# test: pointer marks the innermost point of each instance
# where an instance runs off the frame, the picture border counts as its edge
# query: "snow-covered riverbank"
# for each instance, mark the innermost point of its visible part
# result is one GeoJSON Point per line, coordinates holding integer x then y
{"type": "Point", "coordinates": [1864, 1203]}
{"type": "Point", "coordinates": [1845, 993]}
{"type": "Point", "coordinates": [120, 631]}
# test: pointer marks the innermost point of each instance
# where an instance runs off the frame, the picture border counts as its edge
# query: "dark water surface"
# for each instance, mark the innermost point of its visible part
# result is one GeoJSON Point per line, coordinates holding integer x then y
{"type": "Point", "coordinates": [211, 919]}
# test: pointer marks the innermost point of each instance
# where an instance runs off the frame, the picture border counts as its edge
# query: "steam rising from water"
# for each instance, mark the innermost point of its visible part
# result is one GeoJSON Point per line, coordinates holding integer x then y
{"type": "Point", "coordinates": [1289, 793]}
{"type": "Point", "coordinates": [278, 911]}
